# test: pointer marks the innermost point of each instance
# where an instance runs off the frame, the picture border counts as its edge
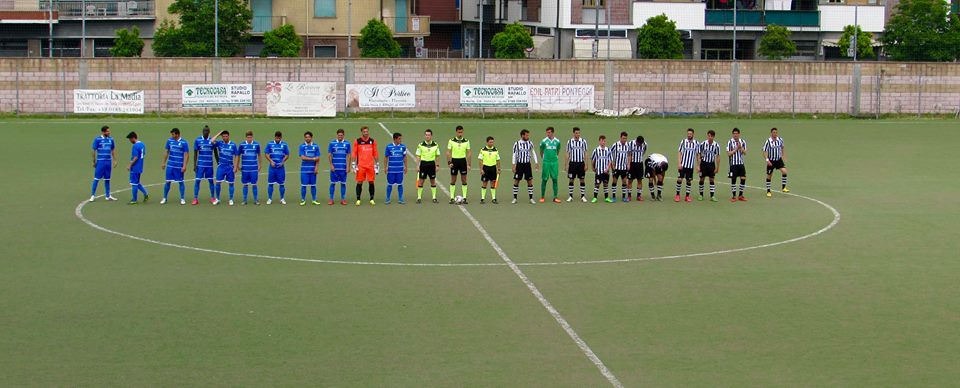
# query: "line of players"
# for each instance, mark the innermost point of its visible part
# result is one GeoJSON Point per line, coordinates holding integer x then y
{"type": "Point", "coordinates": [624, 161]}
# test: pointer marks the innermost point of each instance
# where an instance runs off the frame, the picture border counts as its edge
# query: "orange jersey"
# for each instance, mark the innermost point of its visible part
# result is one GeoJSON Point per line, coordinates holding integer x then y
{"type": "Point", "coordinates": [365, 152]}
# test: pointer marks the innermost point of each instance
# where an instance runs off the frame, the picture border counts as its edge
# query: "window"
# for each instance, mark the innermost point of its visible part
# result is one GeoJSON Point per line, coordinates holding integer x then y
{"type": "Point", "coordinates": [546, 31]}
{"type": "Point", "coordinates": [602, 33]}
{"type": "Point", "coordinates": [324, 8]}
{"type": "Point", "coordinates": [594, 3]}
{"type": "Point", "coordinates": [806, 48]}
{"type": "Point", "coordinates": [325, 51]}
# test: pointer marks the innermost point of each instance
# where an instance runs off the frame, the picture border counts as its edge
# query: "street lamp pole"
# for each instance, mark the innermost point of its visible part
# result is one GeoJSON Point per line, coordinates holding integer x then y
{"type": "Point", "coordinates": [50, 25]}
{"type": "Point", "coordinates": [734, 30]}
{"type": "Point", "coordinates": [596, 28]}
{"type": "Point", "coordinates": [350, 29]}
{"type": "Point", "coordinates": [83, 28]}
{"type": "Point", "coordinates": [216, 28]}
{"type": "Point", "coordinates": [856, 30]}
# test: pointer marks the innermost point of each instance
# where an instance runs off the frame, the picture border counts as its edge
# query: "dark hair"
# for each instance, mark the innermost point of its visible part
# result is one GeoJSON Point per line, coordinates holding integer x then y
{"type": "Point", "coordinates": [206, 128]}
{"type": "Point", "coordinates": [175, 131]}
{"type": "Point", "coordinates": [459, 127]}
{"type": "Point", "coordinates": [249, 133]}
{"type": "Point", "coordinates": [691, 130]}
{"type": "Point", "coordinates": [308, 133]}
{"type": "Point", "coordinates": [104, 128]}
{"type": "Point", "coordinates": [489, 138]}
{"type": "Point", "coordinates": [524, 132]}
{"type": "Point", "coordinates": [576, 129]}
{"type": "Point", "coordinates": [224, 133]}
{"type": "Point", "coordinates": [340, 130]}
{"type": "Point", "coordinates": [396, 136]}
{"type": "Point", "coordinates": [364, 127]}
{"type": "Point", "coordinates": [735, 130]}
{"type": "Point", "coordinates": [602, 137]}
{"type": "Point", "coordinates": [277, 134]}
{"type": "Point", "coordinates": [623, 134]}
{"type": "Point", "coordinates": [430, 131]}
{"type": "Point", "coordinates": [549, 129]}
{"type": "Point", "coordinates": [711, 133]}
{"type": "Point", "coordinates": [132, 135]}
{"type": "Point", "coordinates": [773, 129]}
{"type": "Point", "coordinates": [640, 140]}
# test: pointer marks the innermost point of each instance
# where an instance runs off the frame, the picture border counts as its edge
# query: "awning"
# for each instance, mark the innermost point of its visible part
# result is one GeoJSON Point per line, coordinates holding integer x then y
{"type": "Point", "coordinates": [833, 43]}
{"type": "Point", "coordinates": [620, 48]}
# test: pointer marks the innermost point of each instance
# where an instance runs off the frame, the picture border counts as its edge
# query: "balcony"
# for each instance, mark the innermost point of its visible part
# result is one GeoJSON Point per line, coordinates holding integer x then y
{"type": "Point", "coordinates": [724, 17]}
{"type": "Point", "coordinates": [408, 26]}
{"type": "Point", "coordinates": [75, 9]}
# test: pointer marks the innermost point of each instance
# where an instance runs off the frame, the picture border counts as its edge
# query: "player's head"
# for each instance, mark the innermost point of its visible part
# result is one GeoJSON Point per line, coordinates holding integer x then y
{"type": "Point", "coordinates": [524, 134]}
{"type": "Point", "coordinates": [623, 137]}
{"type": "Point", "coordinates": [105, 131]}
{"type": "Point", "coordinates": [175, 133]}
{"type": "Point", "coordinates": [340, 134]}
{"type": "Point", "coordinates": [459, 131]}
{"type": "Point", "coordinates": [489, 141]}
{"type": "Point", "coordinates": [249, 136]}
{"type": "Point", "coordinates": [576, 132]}
{"type": "Point", "coordinates": [690, 133]}
{"type": "Point", "coordinates": [308, 136]}
{"type": "Point", "coordinates": [132, 136]}
{"type": "Point", "coordinates": [225, 135]}
{"type": "Point", "coordinates": [710, 135]}
{"type": "Point", "coordinates": [364, 132]}
{"type": "Point", "coordinates": [640, 140]}
{"type": "Point", "coordinates": [428, 134]}
{"type": "Point", "coordinates": [550, 132]}
{"type": "Point", "coordinates": [773, 132]}
{"type": "Point", "coordinates": [205, 131]}
{"type": "Point", "coordinates": [602, 139]}
{"type": "Point", "coordinates": [277, 135]}
{"type": "Point", "coordinates": [397, 138]}
{"type": "Point", "coordinates": [736, 133]}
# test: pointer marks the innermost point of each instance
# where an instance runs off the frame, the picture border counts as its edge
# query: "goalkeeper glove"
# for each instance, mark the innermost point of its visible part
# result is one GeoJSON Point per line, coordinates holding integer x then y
{"type": "Point", "coordinates": [354, 166]}
{"type": "Point", "coordinates": [376, 168]}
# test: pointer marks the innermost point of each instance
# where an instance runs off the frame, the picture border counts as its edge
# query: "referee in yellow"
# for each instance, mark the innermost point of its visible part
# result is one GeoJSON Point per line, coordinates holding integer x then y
{"type": "Point", "coordinates": [458, 159]}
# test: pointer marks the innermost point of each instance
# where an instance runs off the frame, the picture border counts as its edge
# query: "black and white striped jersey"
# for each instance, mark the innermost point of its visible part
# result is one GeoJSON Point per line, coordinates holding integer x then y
{"type": "Point", "coordinates": [637, 151]}
{"type": "Point", "coordinates": [774, 148]}
{"type": "Point", "coordinates": [620, 154]}
{"type": "Point", "coordinates": [523, 151]}
{"type": "Point", "coordinates": [688, 152]}
{"type": "Point", "coordinates": [736, 159]}
{"type": "Point", "coordinates": [601, 159]}
{"type": "Point", "coordinates": [709, 151]}
{"type": "Point", "coordinates": [577, 149]}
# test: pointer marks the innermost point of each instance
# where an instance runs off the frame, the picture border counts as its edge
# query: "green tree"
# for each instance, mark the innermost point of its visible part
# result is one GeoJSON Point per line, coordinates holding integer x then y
{"type": "Point", "coordinates": [511, 43]}
{"type": "Point", "coordinates": [193, 36]}
{"type": "Point", "coordinates": [776, 44]}
{"type": "Point", "coordinates": [127, 43]}
{"type": "Point", "coordinates": [376, 41]}
{"type": "Point", "coordinates": [281, 41]}
{"type": "Point", "coordinates": [864, 41]}
{"type": "Point", "coordinates": [922, 30]}
{"type": "Point", "coordinates": [658, 39]}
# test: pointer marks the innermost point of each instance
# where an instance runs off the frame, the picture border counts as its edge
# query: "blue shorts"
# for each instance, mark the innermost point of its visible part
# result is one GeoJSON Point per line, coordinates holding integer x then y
{"type": "Point", "coordinates": [225, 174]}
{"type": "Point", "coordinates": [204, 173]}
{"type": "Point", "coordinates": [339, 176]}
{"type": "Point", "coordinates": [102, 170]}
{"type": "Point", "coordinates": [308, 179]}
{"type": "Point", "coordinates": [174, 174]}
{"type": "Point", "coordinates": [135, 178]}
{"type": "Point", "coordinates": [249, 177]}
{"type": "Point", "coordinates": [277, 175]}
{"type": "Point", "coordinates": [395, 178]}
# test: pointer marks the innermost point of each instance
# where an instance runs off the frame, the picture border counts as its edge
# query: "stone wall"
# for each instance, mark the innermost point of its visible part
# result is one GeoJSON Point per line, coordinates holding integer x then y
{"type": "Point", "coordinates": [45, 85]}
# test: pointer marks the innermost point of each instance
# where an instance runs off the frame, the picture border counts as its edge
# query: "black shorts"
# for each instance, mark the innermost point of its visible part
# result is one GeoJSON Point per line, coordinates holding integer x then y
{"type": "Point", "coordinates": [576, 170]}
{"type": "Point", "coordinates": [737, 170]}
{"type": "Point", "coordinates": [459, 166]}
{"type": "Point", "coordinates": [524, 172]}
{"type": "Point", "coordinates": [602, 177]}
{"type": "Point", "coordinates": [686, 173]}
{"type": "Point", "coordinates": [636, 171]}
{"type": "Point", "coordinates": [653, 172]}
{"type": "Point", "coordinates": [489, 174]}
{"type": "Point", "coordinates": [708, 169]}
{"type": "Point", "coordinates": [617, 174]}
{"type": "Point", "coordinates": [775, 165]}
{"type": "Point", "coordinates": [428, 170]}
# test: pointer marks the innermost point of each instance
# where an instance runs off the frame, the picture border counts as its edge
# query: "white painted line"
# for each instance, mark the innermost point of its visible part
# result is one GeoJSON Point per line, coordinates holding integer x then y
{"type": "Point", "coordinates": [584, 348]}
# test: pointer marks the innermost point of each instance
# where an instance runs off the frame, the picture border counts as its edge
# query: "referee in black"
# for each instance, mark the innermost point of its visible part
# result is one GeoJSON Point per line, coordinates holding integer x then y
{"type": "Point", "coordinates": [708, 165]}
{"type": "Point", "coordinates": [687, 159]}
{"type": "Point", "coordinates": [576, 169]}
{"type": "Point", "coordinates": [522, 168]}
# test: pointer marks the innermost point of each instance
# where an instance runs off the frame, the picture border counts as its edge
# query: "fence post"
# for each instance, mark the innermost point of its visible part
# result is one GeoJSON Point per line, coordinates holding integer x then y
{"type": "Point", "coordinates": [619, 93]}
{"type": "Point", "coordinates": [735, 88]}
{"type": "Point", "coordinates": [437, 65]}
{"type": "Point", "coordinates": [63, 85]}
{"type": "Point", "coordinates": [528, 83]}
{"type": "Point", "coordinates": [347, 78]}
{"type": "Point", "coordinates": [706, 84]}
{"type": "Point", "coordinates": [392, 65]}
{"type": "Point", "coordinates": [159, 97]}
{"type": "Point", "coordinates": [919, 89]}
{"type": "Point", "coordinates": [573, 113]}
{"type": "Point", "coordinates": [253, 91]}
{"type": "Point", "coordinates": [205, 81]}
{"type": "Point", "coordinates": [855, 91]}
{"type": "Point", "coordinates": [878, 86]}
{"type": "Point", "coordinates": [607, 85]}
{"type": "Point", "coordinates": [750, 94]}
{"type": "Point", "coordinates": [663, 90]}
{"type": "Point", "coordinates": [480, 79]}
{"type": "Point", "coordinates": [17, 108]}
{"type": "Point", "coordinates": [793, 92]}
{"type": "Point", "coordinates": [836, 90]}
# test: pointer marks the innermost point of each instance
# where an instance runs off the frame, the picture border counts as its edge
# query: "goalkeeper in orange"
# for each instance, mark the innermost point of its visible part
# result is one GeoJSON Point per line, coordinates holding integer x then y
{"type": "Point", "coordinates": [364, 162]}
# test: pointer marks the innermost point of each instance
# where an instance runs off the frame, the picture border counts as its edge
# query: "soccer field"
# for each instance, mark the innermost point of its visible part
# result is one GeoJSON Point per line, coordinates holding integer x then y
{"type": "Point", "coordinates": [851, 279]}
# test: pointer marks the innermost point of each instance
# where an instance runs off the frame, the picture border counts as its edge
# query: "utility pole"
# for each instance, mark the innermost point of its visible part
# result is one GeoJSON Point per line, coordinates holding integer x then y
{"type": "Point", "coordinates": [607, 8]}
{"type": "Point", "coordinates": [481, 29]}
{"type": "Point", "coordinates": [596, 28]}
{"type": "Point", "coordinates": [83, 28]}
{"type": "Point", "coordinates": [350, 29]}
{"type": "Point", "coordinates": [856, 30]}
{"type": "Point", "coordinates": [50, 25]}
{"type": "Point", "coordinates": [216, 28]}
{"type": "Point", "coordinates": [734, 56]}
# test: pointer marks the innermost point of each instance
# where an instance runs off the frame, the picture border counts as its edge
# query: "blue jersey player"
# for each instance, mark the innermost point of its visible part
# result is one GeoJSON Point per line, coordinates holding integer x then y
{"type": "Point", "coordinates": [338, 152]}
{"type": "Point", "coordinates": [395, 158]}
{"type": "Point", "coordinates": [227, 163]}
{"type": "Point", "coordinates": [250, 166]}
{"type": "Point", "coordinates": [276, 153]}
{"type": "Point", "coordinates": [137, 153]}
{"type": "Point", "coordinates": [309, 168]}
{"type": "Point", "coordinates": [104, 159]}
{"type": "Point", "coordinates": [175, 157]}
{"type": "Point", "coordinates": [203, 163]}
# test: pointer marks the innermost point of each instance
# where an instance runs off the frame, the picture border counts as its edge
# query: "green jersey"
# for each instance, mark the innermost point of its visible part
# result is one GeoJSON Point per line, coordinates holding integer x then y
{"type": "Point", "coordinates": [489, 156]}
{"type": "Point", "coordinates": [428, 152]}
{"type": "Point", "coordinates": [458, 148]}
{"type": "Point", "coordinates": [550, 149]}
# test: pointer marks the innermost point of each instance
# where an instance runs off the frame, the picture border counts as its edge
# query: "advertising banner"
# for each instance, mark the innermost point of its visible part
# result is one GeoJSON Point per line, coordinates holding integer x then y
{"type": "Point", "coordinates": [107, 101]}
{"type": "Point", "coordinates": [494, 96]}
{"type": "Point", "coordinates": [301, 99]}
{"type": "Point", "coordinates": [216, 95]}
{"type": "Point", "coordinates": [381, 96]}
{"type": "Point", "coordinates": [561, 97]}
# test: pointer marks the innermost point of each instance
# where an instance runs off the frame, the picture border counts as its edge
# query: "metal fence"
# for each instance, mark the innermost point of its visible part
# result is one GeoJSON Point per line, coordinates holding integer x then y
{"type": "Point", "coordinates": [660, 87]}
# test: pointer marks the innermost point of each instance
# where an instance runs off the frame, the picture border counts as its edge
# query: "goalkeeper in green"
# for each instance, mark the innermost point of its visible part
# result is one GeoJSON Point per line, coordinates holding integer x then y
{"type": "Point", "coordinates": [550, 154]}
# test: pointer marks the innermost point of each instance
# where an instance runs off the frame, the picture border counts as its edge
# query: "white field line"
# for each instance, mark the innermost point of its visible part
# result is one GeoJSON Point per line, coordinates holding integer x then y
{"type": "Point", "coordinates": [584, 348]}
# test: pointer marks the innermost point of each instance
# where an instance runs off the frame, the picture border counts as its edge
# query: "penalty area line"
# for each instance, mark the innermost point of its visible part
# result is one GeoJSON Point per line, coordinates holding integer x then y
{"type": "Point", "coordinates": [584, 348]}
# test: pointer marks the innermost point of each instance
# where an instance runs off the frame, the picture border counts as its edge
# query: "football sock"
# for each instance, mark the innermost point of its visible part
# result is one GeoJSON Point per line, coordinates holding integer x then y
{"type": "Point", "coordinates": [543, 187]}
{"type": "Point", "coordinates": [768, 184]}
{"type": "Point", "coordinates": [313, 192]}
{"type": "Point", "coordinates": [660, 190]}
{"type": "Point", "coordinates": [400, 192]}
{"type": "Point", "coordinates": [570, 188]}
{"type": "Point", "coordinates": [359, 190]}
{"type": "Point", "coordinates": [333, 188]}
{"type": "Point", "coordinates": [230, 190]}
{"type": "Point", "coordinates": [678, 187]}
{"type": "Point", "coordinates": [283, 191]}
{"type": "Point", "coordinates": [216, 191]}
{"type": "Point", "coordinates": [196, 189]}
{"type": "Point", "coordinates": [530, 191]}
{"type": "Point", "coordinates": [483, 193]}
{"type": "Point", "coordinates": [783, 182]}
{"type": "Point", "coordinates": [419, 192]}
{"type": "Point", "coordinates": [343, 191]}
{"type": "Point", "coordinates": [433, 191]}
{"type": "Point", "coordinates": [555, 188]}
{"type": "Point", "coordinates": [136, 191]}
{"type": "Point", "coordinates": [256, 193]}
{"type": "Point", "coordinates": [463, 190]}
{"type": "Point", "coordinates": [246, 189]}
{"type": "Point", "coordinates": [614, 191]}
{"type": "Point", "coordinates": [106, 187]}
{"type": "Point", "coordinates": [210, 181]}
{"type": "Point", "coordinates": [270, 191]}
{"type": "Point", "coordinates": [303, 192]}
{"type": "Point", "coordinates": [389, 191]}
{"type": "Point", "coordinates": [93, 189]}
{"type": "Point", "coordinates": [606, 192]}
{"type": "Point", "coordinates": [583, 189]}
{"type": "Point", "coordinates": [701, 189]}
{"type": "Point", "coordinates": [493, 192]}
{"type": "Point", "coordinates": [688, 188]}
{"type": "Point", "coordinates": [733, 187]}
{"type": "Point", "coordinates": [713, 189]}
{"type": "Point", "coordinates": [373, 189]}
{"type": "Point", "coordinates": [596, 191]}
{"type": "Point", "coordinates": [516, 190]}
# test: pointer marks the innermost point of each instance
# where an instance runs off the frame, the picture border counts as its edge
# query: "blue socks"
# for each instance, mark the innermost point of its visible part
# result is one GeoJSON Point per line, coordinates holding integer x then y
{"type": "Point", "coordinates": [166, 189]}
{"type": "Point", "coordinates": [303, 193]}
{"type": "Point", "coordinates": [106, 187]}
{"type": "Point", "coordinates": [313, 192]}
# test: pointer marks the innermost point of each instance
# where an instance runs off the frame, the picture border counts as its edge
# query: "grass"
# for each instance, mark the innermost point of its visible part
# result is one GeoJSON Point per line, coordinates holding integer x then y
{"type": "Point", "coordinates": [872, 301]}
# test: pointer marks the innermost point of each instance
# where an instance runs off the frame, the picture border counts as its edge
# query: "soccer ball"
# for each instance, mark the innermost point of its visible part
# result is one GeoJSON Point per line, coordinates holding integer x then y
{"type": "Point", "coordinates": [458, 200]}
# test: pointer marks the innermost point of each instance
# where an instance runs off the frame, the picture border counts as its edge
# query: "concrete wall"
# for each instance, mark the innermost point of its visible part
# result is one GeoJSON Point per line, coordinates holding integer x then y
{"type": "Point", "coordinates": [45, 85]}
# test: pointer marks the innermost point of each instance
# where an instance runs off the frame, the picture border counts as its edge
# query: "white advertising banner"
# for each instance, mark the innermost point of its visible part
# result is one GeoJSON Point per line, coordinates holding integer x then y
{"type": "Point", "coordinates": [381, 96]}
{"type": "Point", "coordinates": [216, 95]}
{"type": "Point", "coordinates": [302, 99]}
{"type": "Point", "coordinates": [561, 97]}
{"type": "Point", "coordinates": [107, 101]}
{"type": "Point", "coordinates": [494, 96]}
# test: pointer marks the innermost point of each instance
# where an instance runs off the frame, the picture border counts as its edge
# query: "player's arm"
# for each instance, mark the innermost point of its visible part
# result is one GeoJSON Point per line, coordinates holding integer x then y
{"type": "Point", "coordinates": [716, 166]}
{"type": "Point", "coordinates": [449, 154]}
{"type": "Point", "coordinates": [286, 155]}
{"type": "Point", "coordinates": [404, 164]}
{"type": "Point", "coordinates": [236, 162]}
{"type": "Point", "coordinates": [734, 150]}
{"type": "Point", "coordinates": [386, 161]}
{"type": "Point", "coordinates": [679, 160]}
{"type": "Point", "coordinates": [513, 159]}
{"type": "Point", "coordinates": [783, 153]}
{"type": "Point", "coordinates": [536, 161]}
{"type": "Point", "coordinates": [696, 165]}
{"type": "Point", "coordinates": [186, 158]}
{"type": "Point", "coordinates": [196, 150]}
{"type": "Point", "coordinates": [566, 157]}
{"type": "Point", "coordinates": [163, 160]}
{"type": "Point", "coordinates": [765, 156]}
{"type": "Point", "coordinates": [469, 154]}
